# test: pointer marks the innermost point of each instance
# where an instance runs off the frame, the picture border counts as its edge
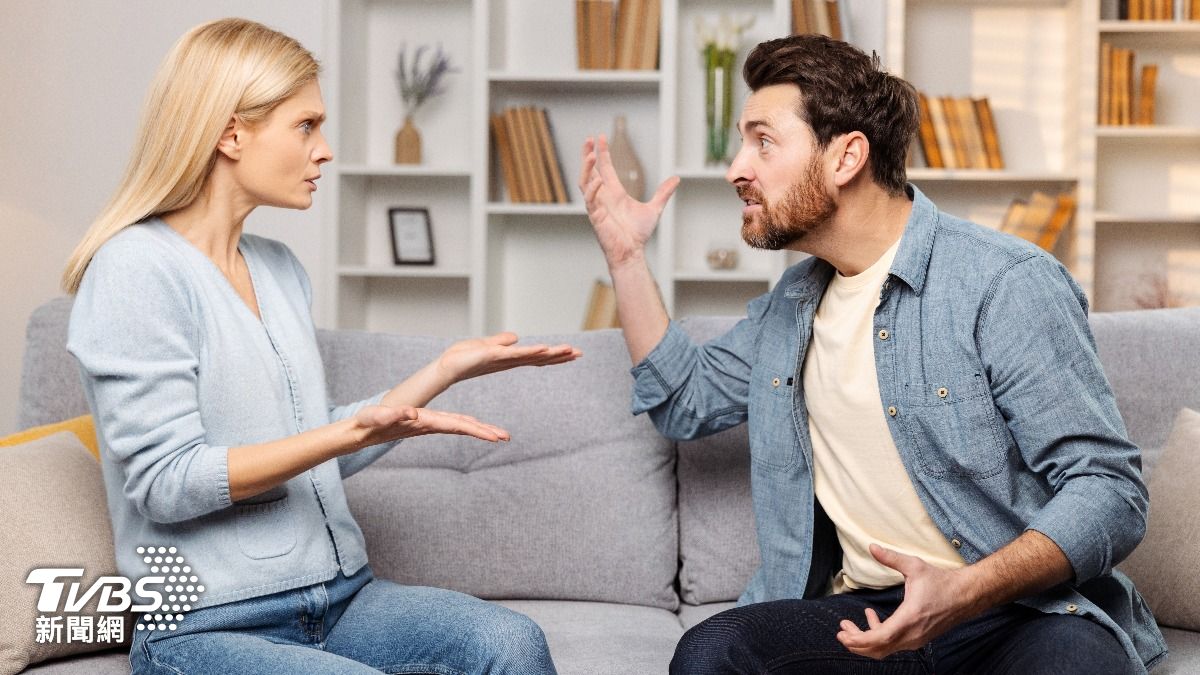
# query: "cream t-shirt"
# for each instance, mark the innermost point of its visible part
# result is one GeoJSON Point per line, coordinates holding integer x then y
{"type": "Point", "coordinates": [858, 475]}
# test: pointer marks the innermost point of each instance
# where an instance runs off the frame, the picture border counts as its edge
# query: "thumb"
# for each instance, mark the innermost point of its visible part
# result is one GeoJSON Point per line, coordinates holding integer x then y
{"type": "Point", "coordinates": [664, 192]}
{"type": "Point", "coordinates": [503, 339]}
{"type": "Point", "coordinates": [904, 564]}
{"type": "Point", "coordinates": [382, 415]}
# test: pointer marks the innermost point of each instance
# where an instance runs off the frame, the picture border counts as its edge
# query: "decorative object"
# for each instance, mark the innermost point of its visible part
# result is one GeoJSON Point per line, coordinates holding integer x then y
{"type": "Point", "coordinates": [719, 46]}
{"type": "Point", "coordinates": [722, 256]}
{"type": "Point", "coordinates": [412, 236]}
{"type": "Point", "coordinates": [625, 161]}
{"type": "Point", "coordinates": [417, 84]}
{"type": "Point", "coordinates": [1156, 293]}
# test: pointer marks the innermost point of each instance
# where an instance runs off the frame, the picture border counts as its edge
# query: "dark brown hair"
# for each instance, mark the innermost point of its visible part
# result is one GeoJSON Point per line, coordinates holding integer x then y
{"type": "Point", "coordinates": [843, 90]}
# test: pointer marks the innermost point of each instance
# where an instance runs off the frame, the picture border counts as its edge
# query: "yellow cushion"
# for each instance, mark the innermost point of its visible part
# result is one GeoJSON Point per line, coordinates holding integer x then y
{"type": "Point", "coordinates": [82, 426]}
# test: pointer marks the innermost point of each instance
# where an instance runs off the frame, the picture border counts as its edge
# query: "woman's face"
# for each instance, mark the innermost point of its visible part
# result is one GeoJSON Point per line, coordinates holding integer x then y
{"type": "Point", "coordinates": [281, 157]}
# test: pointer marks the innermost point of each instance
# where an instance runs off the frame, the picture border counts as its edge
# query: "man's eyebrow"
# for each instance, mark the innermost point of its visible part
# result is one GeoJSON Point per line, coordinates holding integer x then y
{"type": "Point", "coordinates": [754, 124]}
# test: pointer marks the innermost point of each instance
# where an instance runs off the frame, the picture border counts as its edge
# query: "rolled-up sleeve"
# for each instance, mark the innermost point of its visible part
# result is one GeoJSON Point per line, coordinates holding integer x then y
{"type": "Point", "coordinates": [132, 331]}
{"type": "Point", "coordinates": [1048, 383]}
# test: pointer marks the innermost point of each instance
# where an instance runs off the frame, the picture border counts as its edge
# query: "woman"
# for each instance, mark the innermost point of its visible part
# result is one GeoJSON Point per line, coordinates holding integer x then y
{"type": "Point", "coordinates": [200, 364]}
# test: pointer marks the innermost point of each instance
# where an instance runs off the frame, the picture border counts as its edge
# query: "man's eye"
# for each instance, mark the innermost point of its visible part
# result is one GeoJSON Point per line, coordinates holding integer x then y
{"type": "Point", "coordinates": [764, 142]}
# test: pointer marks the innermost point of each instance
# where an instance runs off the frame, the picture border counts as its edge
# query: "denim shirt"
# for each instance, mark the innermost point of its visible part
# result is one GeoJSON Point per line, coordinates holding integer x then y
{"type": "Point", "coordinates": [993, 392]}
{"type": "Point", "coordinates": [176, 370]}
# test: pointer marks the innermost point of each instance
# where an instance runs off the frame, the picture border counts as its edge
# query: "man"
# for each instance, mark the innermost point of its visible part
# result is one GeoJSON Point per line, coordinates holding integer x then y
{"type": "Point", "coordinates": [941, 479]}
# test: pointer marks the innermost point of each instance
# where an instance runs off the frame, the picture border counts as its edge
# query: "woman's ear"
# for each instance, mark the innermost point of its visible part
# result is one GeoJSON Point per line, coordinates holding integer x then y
{"type": "Point", "coordinates": [852, 151]}
{"type": "Point", "coordinates": [230, 143]}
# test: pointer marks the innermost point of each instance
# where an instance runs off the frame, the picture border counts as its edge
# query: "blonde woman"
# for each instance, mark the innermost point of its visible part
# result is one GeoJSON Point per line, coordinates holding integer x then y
{"type": "Point", "coordinates": [200, 364]}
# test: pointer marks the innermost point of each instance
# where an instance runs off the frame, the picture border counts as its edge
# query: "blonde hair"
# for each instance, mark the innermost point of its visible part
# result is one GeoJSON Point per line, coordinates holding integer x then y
{"type": "Point", "coordinates": [215, 71]}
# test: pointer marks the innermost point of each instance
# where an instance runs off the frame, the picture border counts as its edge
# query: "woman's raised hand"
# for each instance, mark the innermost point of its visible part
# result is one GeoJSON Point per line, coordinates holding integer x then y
{"type": "Point", "coordinates": [480, 356]}
{"type": "Point", "coordinates": [622, 224]}
{"type": "Point", "coordinates": [381, 423]}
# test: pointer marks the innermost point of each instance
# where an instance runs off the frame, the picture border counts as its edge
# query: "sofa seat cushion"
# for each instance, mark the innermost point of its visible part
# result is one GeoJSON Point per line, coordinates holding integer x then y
{"type": "Point", "coordinates": [690, 615]}
{"type": "Point", "coordinates": [112, 662]}
{"type": "Point", "coordinates": [579, 505]}
{"type": "Point", "coordinates": [1183, 648]}
{"type": "Point", "coordinates": [595, 638]}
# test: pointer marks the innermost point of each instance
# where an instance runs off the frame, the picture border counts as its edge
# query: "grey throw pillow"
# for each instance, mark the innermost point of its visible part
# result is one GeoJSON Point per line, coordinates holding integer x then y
{"type": "Point", "coordinates": [1163, 567]}
{"type": "Point", "coordinates": [52, 497]}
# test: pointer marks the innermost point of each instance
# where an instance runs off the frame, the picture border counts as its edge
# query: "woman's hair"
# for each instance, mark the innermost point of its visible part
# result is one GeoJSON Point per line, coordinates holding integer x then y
{"type": "Point", "coordinates": [843, 90]}
{"type": "Point", "coordinates": [215, 71]}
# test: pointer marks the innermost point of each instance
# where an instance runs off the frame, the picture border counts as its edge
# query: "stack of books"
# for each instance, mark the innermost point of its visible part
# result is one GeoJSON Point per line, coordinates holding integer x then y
{"type": "Point", "coordinates": [1040, 219]}
{"type": "Point", "coordinates": [958, 133]}
{"type": "Point", "coordinates": [528, 156]}
{"type": "Point", "coordinates": [826, 17]}
{"type": "Point", "coordinates": [1119, 90]}
{"type": "Point", "coordinates": [1158, 10]}
{"type": "Point", "coordinates": [623, 36]}
{"type": "Point", "coordinates": [602, 307]}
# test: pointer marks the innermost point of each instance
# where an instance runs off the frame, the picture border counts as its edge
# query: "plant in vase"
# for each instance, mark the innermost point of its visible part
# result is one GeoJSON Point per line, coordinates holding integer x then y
{"type": "Point", "coordinates": [719, 46]}
{"type": "Point", "coordinates": [417, 83]}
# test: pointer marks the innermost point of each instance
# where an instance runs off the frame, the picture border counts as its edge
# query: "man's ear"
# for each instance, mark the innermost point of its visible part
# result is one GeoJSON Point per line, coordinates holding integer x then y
{"type": "Point", "coordinates": [230, 143]}
{"type": "Point", "coordinates": [850, 157]}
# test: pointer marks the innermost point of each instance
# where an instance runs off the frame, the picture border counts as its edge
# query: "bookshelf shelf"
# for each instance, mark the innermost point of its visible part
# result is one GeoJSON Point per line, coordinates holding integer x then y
{"type": "Point", "coordinates": [510, 209]}
{"type": "Point", "coordinates": [1151, 27]}
{"type": "Point", "coordinates": [418, 170]}
{"type": "Point", "coordinates": [704, 173]}
{"type": "Point", "coordinates": [1167, 133]}
{"type": "Point", "coordinates": [403, 272]}
{"type": "Point", "coordinates": [584, 79]}
{"type": "Point", "coordinates": [724, 276]}
{"type": "Point", "coordinates": [1148, 219]}
{"type": "Point", "coordinates": [919, 175]}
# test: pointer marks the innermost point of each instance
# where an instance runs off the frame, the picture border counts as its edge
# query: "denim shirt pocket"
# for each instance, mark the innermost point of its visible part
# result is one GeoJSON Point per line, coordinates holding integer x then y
{"type": "Point", "coordinates": [953, 425]}
{"type": "Point", "coordinates": [773, 441]}
{"type": "Point", "coordinates": [266, 529]}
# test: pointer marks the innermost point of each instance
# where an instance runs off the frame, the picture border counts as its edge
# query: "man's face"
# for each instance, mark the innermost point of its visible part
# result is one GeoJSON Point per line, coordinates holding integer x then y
{"type": "Point", "coordinates": [778, 172]}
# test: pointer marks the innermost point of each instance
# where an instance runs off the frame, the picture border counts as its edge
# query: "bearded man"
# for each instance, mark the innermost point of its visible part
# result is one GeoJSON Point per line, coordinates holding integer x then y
{"type": "Point", "coordinates": [940, 476]}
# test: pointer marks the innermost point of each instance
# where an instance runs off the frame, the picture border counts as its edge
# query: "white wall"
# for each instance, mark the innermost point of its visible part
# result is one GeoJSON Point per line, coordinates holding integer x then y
{"type": "Point", "coordinates": [72, 78]}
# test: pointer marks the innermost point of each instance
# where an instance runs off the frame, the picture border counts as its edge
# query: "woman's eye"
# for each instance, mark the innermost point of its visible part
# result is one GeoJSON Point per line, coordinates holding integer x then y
{"type": "Point", "coordinates": [306, 126]}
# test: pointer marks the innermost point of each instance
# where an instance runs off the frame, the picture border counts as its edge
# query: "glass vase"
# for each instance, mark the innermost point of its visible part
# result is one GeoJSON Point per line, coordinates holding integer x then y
{"type": "Point", "coordinates": [625, 161]}
{"type": "Point", "coordinates": [718, 102]}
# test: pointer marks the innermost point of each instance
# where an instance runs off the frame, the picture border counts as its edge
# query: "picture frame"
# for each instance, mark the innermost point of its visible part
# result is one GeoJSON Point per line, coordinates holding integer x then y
{"type": "Point", "coordinates": [412, 235]}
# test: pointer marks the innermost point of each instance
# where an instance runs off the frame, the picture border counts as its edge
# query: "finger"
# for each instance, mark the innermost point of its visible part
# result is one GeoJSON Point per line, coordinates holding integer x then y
{"type": "Point", "coordinates": [589, 161]}
{"type": "Point", "coordinates": [849, 626]}
{"type": "Point", "coordinates": [505, 339]}
{"type": "Point", "coordinates": [664, 192]}
{"type": "Point", "coordinates": [604, 163]}
{"type": "Point", "coordinates": [904, 564]}
{"type": "Point", "coordinates": [593, 189]}
{"type": "Point", "coordinates": [872, 619]}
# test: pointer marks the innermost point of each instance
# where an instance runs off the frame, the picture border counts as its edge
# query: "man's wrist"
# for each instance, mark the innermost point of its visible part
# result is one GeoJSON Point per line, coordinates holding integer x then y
{"type": "Point", "coordinates": [631, 260]}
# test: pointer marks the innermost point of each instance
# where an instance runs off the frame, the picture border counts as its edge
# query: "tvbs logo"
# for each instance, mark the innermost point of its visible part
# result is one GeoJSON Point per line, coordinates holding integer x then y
{"type": "Point", "coordinates": [161, 597]}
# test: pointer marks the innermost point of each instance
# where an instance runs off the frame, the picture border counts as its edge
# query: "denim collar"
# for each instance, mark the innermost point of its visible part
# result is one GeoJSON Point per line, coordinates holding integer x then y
{"type": "Point", "coordinates": [912, 258]}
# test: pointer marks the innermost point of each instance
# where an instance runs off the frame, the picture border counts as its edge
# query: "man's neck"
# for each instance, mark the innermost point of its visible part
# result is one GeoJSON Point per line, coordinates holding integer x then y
{"type": "Point", "coordinates": [867, 223]}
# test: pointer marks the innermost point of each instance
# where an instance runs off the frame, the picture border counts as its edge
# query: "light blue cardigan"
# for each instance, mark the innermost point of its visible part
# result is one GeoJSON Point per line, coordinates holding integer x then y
{"type": "Point", "coordinates": [177, 370]}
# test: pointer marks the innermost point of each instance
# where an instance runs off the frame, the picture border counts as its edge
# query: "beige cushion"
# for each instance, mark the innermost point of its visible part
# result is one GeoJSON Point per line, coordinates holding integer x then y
{"type": "Point", "coordinates": [52, 498]}
{"type": "Point", "coordinates": [1164, 567]}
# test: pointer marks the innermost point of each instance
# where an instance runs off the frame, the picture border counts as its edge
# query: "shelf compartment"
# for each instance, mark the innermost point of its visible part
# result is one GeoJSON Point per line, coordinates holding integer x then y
{"type": "Point", "coordinates": [365, 233]}
{"type": "Point", "coordinates": [519, 44]}
{"type": "Point", "coordinates": [576, 208]}
{"type": "Point", "coordinates": [700, 298]}
{"type": "Point", "coordinates": [1133, 176]}
{"type": "Point", "coordinates": [405, 306]}
{"type": "Point", "coordinates": [418, 170]}
{"type": "Point", "coordinates": [704, 218]}
{"type": "Point", "coordinates": [1132, 259]}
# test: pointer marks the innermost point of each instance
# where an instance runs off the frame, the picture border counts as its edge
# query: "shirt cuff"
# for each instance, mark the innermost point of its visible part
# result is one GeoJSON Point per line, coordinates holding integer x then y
{"type": "Point", "coordinates": [651, 387]}
{"type": "Point", "coordinates": [1083, 522]}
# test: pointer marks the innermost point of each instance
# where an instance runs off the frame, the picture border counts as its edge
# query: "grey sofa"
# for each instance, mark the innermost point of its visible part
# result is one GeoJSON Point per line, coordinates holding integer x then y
{"type": "Point", "coordinates": [611, 537]}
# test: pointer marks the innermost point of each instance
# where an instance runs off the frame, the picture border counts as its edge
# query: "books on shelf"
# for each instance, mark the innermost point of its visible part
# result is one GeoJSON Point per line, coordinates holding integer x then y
{"type": "Point", "coordinates": [602, 308]}
{"type": "Point", "coordinates": [1158, 10]}
{"type": "Point", "coordinates": [825, 17]}
{"type": "Point", "coordinates": [958, 133]}
{"type": "Point", "coordinates": [617, 34]}
{"type": "Point", "coordinates": [528, 156]}
{"type": "Point", "coordinates": [1123, 100]}
{"type": "Point", "coordinates": [1040, 219]}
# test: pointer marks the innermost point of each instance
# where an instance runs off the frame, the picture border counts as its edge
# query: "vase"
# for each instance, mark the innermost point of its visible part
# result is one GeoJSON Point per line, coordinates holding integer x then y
{"type": "Point", "coordinates": [625, 161]}
{"type": "Point", "coordinates": [718, 102]}
{"type": "Point", "coordinates": [408, 143]}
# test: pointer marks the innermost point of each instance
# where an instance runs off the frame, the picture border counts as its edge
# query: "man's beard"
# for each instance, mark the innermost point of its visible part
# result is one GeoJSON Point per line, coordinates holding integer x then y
{"type": "Point", "coordinates": [805, 208]}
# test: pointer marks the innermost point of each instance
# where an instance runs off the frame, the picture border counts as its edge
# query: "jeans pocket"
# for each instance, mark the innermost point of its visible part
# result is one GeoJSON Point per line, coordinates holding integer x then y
{"type": "Point", "coordinates": [266, 529]}
{"type": "Point", "coordinates": [953, 425]}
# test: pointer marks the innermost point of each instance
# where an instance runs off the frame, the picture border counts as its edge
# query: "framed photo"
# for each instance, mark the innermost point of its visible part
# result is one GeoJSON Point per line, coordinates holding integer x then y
{"type": "Point", "coordinates": [412, 237]}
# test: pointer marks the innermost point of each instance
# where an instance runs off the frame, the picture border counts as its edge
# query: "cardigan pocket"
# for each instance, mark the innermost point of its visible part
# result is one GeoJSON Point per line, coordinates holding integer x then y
{"type": "Point", "coordinates": [266, 530]}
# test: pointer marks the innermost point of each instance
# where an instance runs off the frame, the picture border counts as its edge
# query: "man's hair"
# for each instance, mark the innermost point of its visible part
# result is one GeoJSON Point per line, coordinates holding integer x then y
{"type": "Point", "coordinates": [843, 90]}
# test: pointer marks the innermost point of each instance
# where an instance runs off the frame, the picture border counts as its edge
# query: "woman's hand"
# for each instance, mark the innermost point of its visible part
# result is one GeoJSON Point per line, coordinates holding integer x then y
{"type": "Point", "coordinates": [622, 224]}
{"type": "Point", "coordinates": [380, 424]}
{"type": "Point", "coordinates": [480, 356]}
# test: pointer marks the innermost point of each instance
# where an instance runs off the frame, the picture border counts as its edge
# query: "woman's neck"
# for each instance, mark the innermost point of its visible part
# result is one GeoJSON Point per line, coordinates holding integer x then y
{"type": "Point", "coordinates": [212, 223]}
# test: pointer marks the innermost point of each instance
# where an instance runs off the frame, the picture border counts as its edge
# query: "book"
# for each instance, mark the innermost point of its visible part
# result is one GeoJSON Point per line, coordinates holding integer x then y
{"type": "Point", "coordinates": [819, 14]}
{"type": "Point", "coordinates": [583, 49]}
{"type": "Point", "coordinates": [1064, 212]}
{"type": "Point", "coordinates": [520, 146]}
{"type": "Point", "coordinates": [972, 133]}
{"type": "Point", "coordinates": [928, 138]}
{"type": "Point", "coordinates": [602, 308]}
{"type": "Point", "coordinates": [1106, 58]}
{"type": "Point", "coordinates": [1037, 215]}
{"type": "Point", "coordinates": [627, 20]}
{"type": "Point", "coordinates": [941, 128]}
{"type": "Point", "coordinates": [1145, 107]}
{"type": "Point", "coordinates": [991, 140]}
{"type": "Point", "coordinates": [652, 16]}
{"type": "Point", "coordinates": [550, 158]}
{"type": "Point", "coordinates": [835, 20]}
{"type": "Point", "coordinates": [957, 141]}
{"type": "Point", "coordinates": [800, 20]}
{"type": "Point", "coordinates": [537, 163]}
{"type": "Point", "coordinates": [504, 155]}
{"type": "Point", "coordinates": [1013, 215]}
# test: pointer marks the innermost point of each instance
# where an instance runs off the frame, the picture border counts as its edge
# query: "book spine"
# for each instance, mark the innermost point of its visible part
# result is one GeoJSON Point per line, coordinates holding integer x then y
{"type": "Point", "coordinates": [553, 166]}
{"type": "Point", "coordinates": [929, 145]}
{"type": "Point", "coordinates": [582, 47]}
{"type": "Point", "coordinates": [1146, 95]}
{"type": "Point", "coordinates": [957, 141]}
{"type": "Point", "coordinates": [941, 128]}
{"type": "Point", "coordinates": [504, 154]}
{"type": "Point", "coordinates": [1106, 57]}
{"type": "Point", "coordinates": [972, 133]}
{"type": "Point", "coordinates": [991, 139]}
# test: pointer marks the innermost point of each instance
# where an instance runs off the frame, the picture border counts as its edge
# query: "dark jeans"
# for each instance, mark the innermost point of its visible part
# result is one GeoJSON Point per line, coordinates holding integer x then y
{"type": "Point", "coordinates": [799, 636]}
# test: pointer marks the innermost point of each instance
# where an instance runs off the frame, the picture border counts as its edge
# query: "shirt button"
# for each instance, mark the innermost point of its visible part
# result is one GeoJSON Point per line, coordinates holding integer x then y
{"type": "Point", "coordinates": [943, 392]}
{"type": "Point", "coordinates": [956, 543]}
{"type": "Point", "coordinates": [775, 382]}
{"type": "Point", "coordinates": [892, 410]}
{"type": "Point", "coordinates": [883, 334]}
{"type": "Point", "coordinates": [1072, 608]}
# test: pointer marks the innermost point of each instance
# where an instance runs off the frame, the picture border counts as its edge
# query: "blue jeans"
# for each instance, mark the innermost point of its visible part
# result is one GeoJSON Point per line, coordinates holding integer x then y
{"type": "Point", "coordinates": [799, 636]}
{"type": "Point", "coordinates": [355, 624]}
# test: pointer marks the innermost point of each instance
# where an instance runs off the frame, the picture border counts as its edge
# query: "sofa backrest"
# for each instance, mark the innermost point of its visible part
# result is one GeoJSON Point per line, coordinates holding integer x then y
{"type": "Point", "coordinates": [1149, 358]}
{"type": "Point", "coordinates": [580, 505]}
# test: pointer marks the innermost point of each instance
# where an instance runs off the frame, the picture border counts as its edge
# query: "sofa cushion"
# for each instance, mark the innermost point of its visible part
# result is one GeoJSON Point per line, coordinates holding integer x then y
{"type": "Point", "coordinates": [594, 638]}
{"type": "Point", "coordinates": [51, 389]}
{"type": "Point", "coordinates": [84, 428]}
{"type": "Point", "coordinates": [115, 662]}
{"type": "Point", "coordinates": [52, 495]}
{"type": "Point", "coordinates": [1163, 567]}
{"type": "Point", "coordinates": [579, 505]}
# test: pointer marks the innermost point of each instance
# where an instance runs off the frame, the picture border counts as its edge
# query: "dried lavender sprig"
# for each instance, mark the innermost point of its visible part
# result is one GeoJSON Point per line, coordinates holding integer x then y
{"type": "Point", "coordinates": [416, 84]}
